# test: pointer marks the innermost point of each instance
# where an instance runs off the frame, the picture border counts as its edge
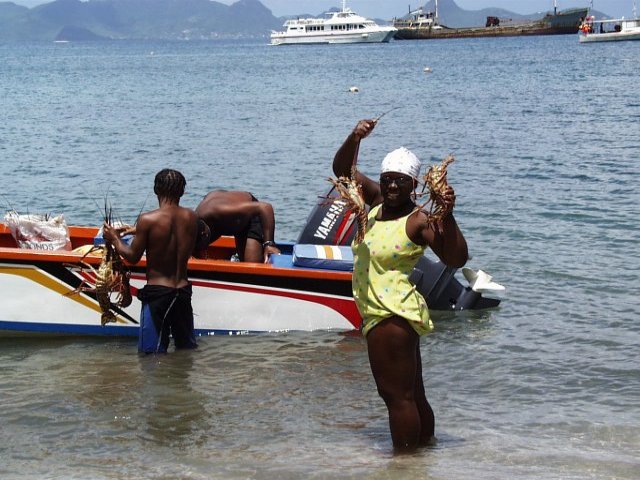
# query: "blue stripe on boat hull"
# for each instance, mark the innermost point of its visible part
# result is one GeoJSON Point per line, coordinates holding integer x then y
{"type": "Point", "coordinates": [60, 328]}
{"type": "Point", "coordinates": [95, 330]}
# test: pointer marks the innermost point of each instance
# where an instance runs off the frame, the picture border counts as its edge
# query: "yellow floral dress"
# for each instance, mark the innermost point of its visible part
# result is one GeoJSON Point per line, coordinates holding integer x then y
{"type": "Point", "coordinates": [382, 264]}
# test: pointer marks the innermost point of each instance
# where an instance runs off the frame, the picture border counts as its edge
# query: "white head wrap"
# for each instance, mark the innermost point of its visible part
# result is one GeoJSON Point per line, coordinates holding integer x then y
{"type": "Point", "coordinates": [401, 160]}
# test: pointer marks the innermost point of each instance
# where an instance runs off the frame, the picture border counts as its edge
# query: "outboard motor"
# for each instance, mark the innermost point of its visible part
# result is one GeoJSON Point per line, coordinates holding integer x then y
{"type": "Point", "coordinates": [331, 223]}
{"type": "Point", "coordinates": [437, 284]}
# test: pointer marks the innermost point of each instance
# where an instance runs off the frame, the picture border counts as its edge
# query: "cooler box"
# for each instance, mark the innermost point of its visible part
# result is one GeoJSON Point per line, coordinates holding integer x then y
{"type": "Point", "coordinates": [329, 257]}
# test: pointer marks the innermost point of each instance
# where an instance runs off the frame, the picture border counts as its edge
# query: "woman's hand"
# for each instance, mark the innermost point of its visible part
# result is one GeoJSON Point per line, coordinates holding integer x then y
{"type": "Point", "coordinates": [449, 199]}
{"type": "Point", "coordinates": [363, 129]}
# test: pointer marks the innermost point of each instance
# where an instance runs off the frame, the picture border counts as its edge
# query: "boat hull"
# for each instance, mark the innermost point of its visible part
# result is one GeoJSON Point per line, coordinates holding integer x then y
{"type": "Point", "coordinates": [38, 302]}
{"type": "Point", "coordinates": [610, 37]}
{"type": "Point", "coordinates": [566, 22]}
{"type": "Point", "coordinates": [333, 38]}
{"type": "Point", "coordinates": [228, 297]}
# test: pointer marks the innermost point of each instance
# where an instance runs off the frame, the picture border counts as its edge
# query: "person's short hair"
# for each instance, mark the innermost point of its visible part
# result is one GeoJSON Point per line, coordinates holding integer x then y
{"type": "Point", "coordinates": [169, 183]}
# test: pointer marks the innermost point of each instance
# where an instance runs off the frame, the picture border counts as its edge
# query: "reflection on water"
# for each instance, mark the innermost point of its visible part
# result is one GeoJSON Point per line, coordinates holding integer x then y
{"type": "Point", "coordinates": [174, 413]}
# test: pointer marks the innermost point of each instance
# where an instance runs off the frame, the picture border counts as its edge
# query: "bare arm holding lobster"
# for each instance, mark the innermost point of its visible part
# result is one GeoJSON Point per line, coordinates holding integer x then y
{"type": "Point", "coordinates": [347, 156]}
{"type": "Point", "coordinates": [445, 238]}
{"type": "Point", "coordinates": [131, 253]}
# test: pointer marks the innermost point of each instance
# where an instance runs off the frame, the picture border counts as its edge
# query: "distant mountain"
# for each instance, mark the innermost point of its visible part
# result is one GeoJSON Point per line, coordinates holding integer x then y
{"type": "Point", "coordinates": [120, 19]}
{"type": "Point", "coordinates": [77, 34]}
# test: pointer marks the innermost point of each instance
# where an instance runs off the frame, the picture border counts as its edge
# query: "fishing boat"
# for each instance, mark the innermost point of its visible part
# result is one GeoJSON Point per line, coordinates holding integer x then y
{"type": "Point", "coordinates": [305, 288]}
{"type": "Point", "coordinates": [425, 25]}
{"type": "Point", "coordinates": [610, 30]}
{"type": "Point", "coordinates": [343, 26]}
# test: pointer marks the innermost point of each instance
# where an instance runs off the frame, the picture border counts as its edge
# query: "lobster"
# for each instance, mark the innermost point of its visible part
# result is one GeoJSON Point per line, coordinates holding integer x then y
{"type": "Point", "coordinates": [435, 180]}
{"type": "Point", "coordinates": [350, 192]}
{"type": "Point", "coordinates": [111, 276]}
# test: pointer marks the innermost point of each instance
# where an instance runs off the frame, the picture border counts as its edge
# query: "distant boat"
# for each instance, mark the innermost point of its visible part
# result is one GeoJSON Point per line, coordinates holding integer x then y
{"type": "Point", "coordinates": [341, 27]}
{"type": "Point", "coordinates": [425, 25]}
{"type": "Point", "coordinates": [612, 30]}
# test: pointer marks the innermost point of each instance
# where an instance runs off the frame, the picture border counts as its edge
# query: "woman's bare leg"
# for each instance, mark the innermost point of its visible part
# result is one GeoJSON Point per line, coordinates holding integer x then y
{"type": "Point", "coordinates": [427, 418]}
{"type": "Point", "coordinates": [392, 355]}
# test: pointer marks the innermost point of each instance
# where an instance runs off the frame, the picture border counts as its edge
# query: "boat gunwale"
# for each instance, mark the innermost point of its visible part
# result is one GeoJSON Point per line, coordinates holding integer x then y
{"type": "Point", "coordinates": [84, 236]}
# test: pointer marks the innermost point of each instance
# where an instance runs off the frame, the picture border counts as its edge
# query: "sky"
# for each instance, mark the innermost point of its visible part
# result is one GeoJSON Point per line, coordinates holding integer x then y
{"type": "Point", "coordinates": [387, 9]}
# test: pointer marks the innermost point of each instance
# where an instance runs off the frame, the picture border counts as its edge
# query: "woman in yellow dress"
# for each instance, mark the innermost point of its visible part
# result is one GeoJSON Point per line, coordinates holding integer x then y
{"type": "Point", "coordinates": [394, 313]}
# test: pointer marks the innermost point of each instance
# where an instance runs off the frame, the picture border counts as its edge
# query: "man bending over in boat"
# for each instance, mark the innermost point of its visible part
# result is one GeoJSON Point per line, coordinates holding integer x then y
{"type": "Point", "coordinates": [240, 214]}
{"type": "Point", "coordinates": [168, 234]}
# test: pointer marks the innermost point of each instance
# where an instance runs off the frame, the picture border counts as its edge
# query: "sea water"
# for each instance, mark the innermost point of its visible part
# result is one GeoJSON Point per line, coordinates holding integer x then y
{"type": "Point", "coordinates": [545, 133]}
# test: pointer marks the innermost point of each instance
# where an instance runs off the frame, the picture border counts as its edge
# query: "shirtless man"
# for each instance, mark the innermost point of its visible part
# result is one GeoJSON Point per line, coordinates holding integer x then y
{"type": "Point", "coordinates": [240, 214]}
{"type": "Point", "coordinates": [168, 234]}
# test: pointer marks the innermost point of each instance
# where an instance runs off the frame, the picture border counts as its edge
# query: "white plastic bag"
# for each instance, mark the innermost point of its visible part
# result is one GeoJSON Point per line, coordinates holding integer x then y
{"type": "Point", "coordinates": [39, 232]}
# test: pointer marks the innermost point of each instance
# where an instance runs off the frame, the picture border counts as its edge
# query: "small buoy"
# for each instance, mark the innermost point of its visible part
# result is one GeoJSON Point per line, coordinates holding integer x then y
{"type": "Point", "coordinates": [354, 89]}
{"type": "Point", "coordinates": [427, 70]}
{"type": "Point", "coordinates": [152, 53]}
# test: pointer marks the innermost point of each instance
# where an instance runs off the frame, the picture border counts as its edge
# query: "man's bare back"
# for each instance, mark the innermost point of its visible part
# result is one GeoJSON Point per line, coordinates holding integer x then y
{"type": "Point", "coordinates": [240, 214]}
{"type": "Point", "coordinates": [227, 212]}
{"type": "Point", "coordinates": [170, 233]}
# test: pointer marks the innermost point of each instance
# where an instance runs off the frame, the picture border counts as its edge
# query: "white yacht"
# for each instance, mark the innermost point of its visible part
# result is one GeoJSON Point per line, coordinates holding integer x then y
{"type": "Point", "coordinates": [610, 30]}
{"type": "Point", "coordinates": [344, 26]}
